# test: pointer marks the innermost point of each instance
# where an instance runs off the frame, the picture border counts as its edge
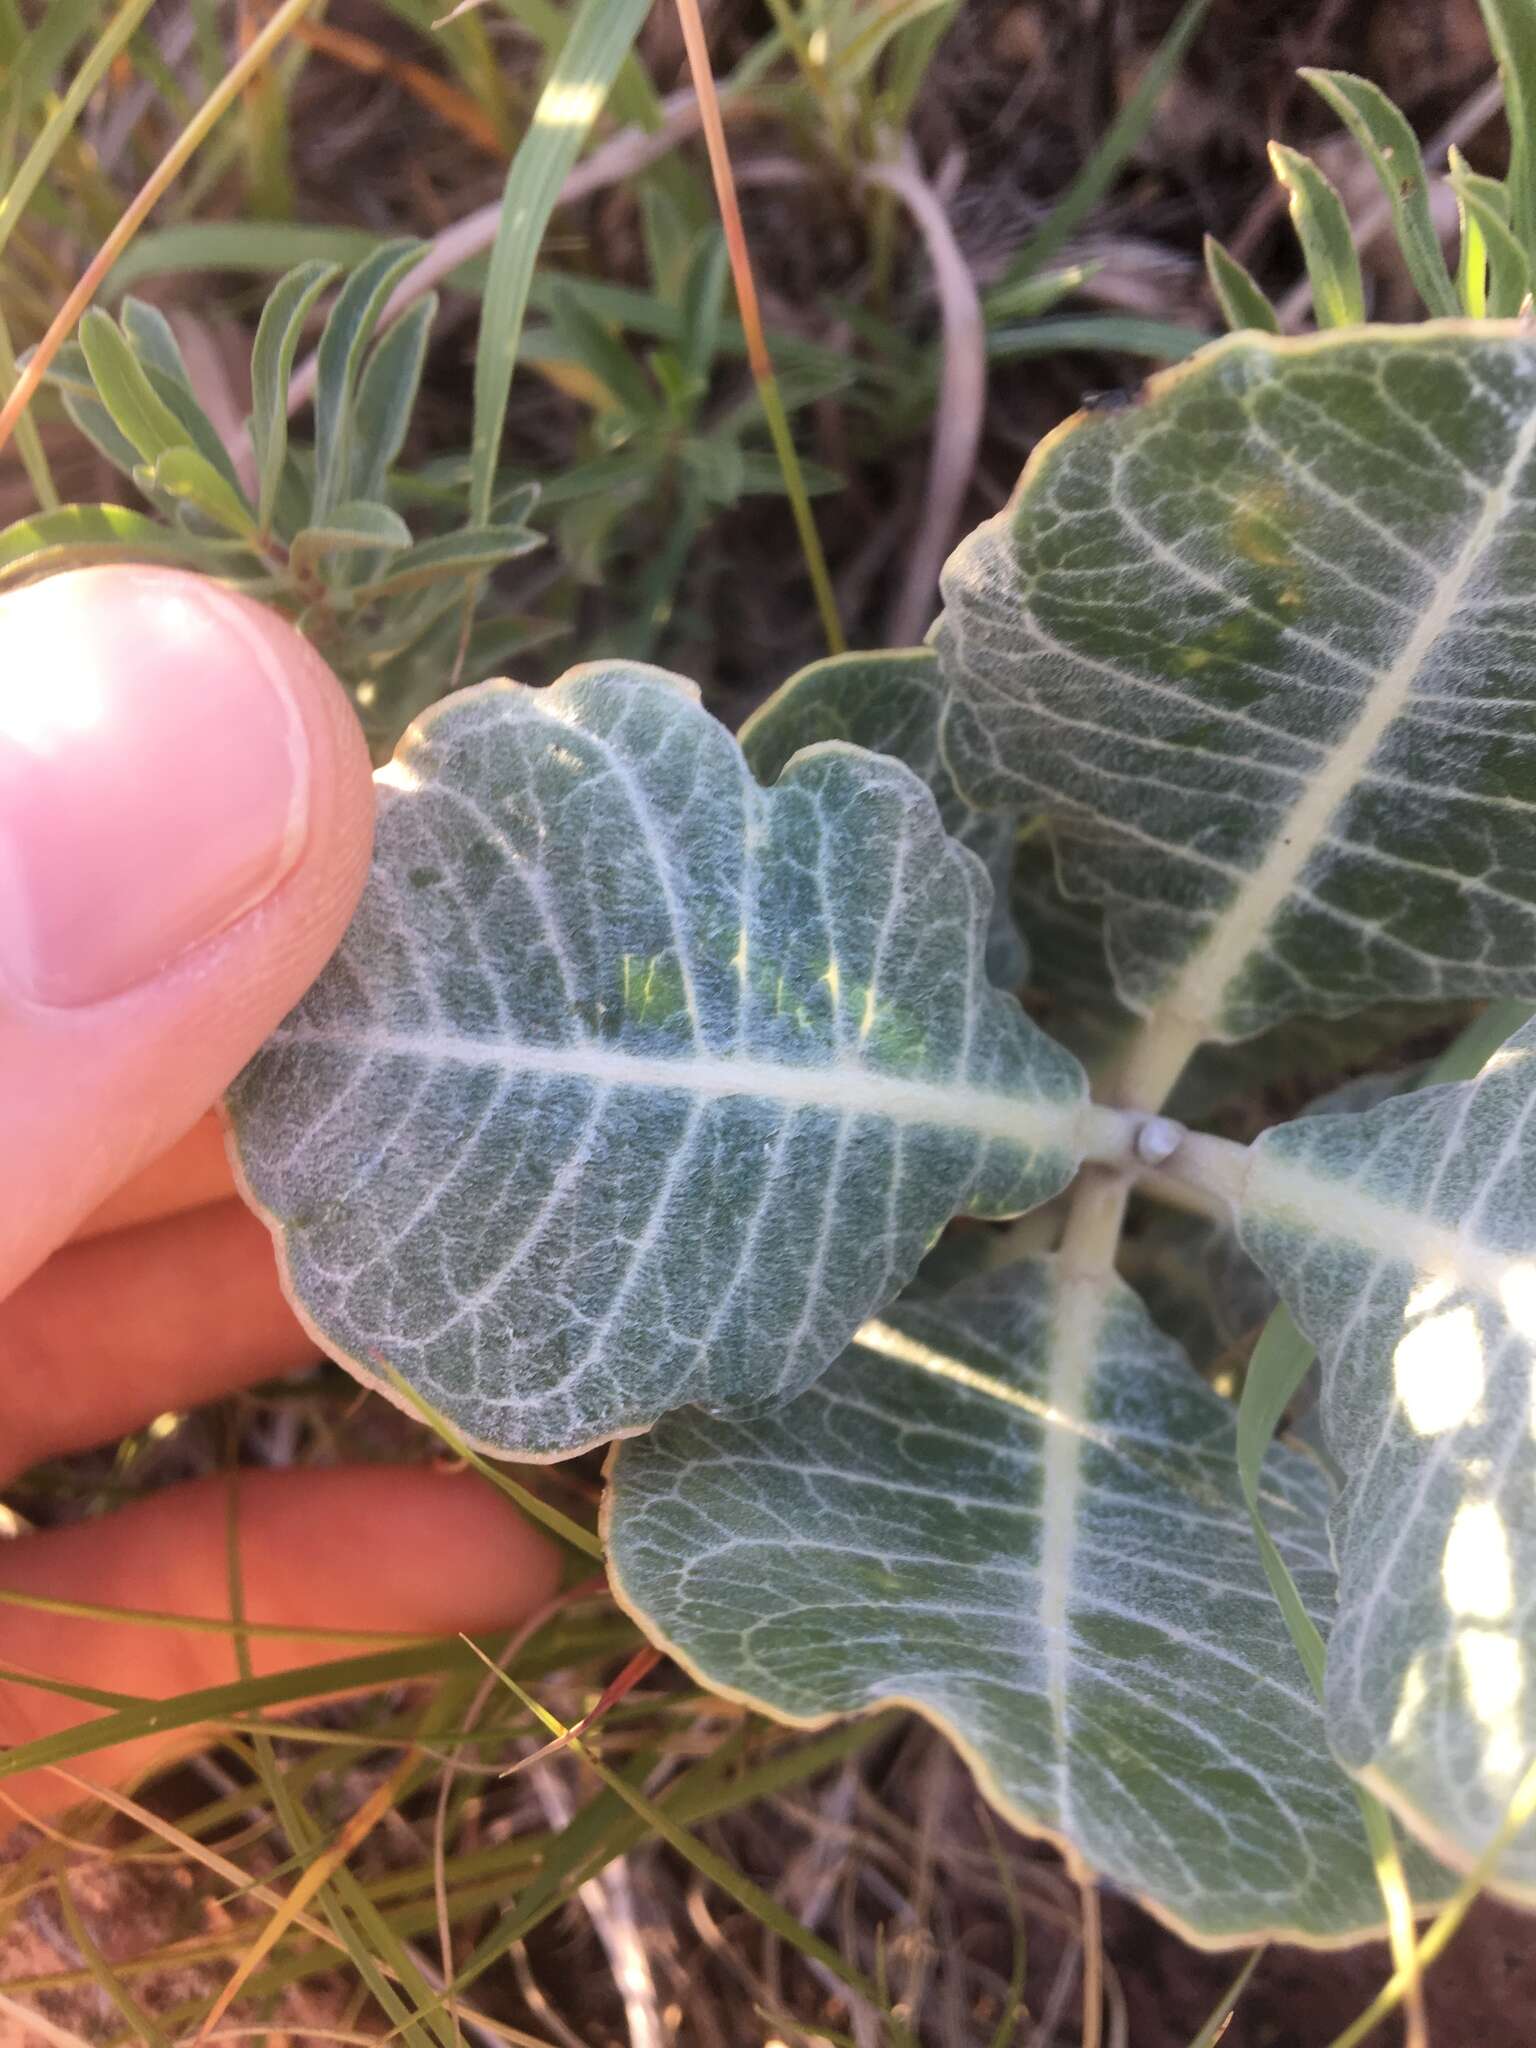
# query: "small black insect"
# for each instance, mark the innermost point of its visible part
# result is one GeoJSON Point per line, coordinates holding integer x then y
{"type": "Point", "coordinates": [1105, 401]}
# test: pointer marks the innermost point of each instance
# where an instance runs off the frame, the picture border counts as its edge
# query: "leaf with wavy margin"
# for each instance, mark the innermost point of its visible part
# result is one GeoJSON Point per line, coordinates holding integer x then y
{"type": "Point", "coordinates": [1261, 646]}
{"type": "Point", "coordinates": [1017, 1510]}
{"type": "Point", "coordinates": [635, 1084]}
{"type": "Point", "coordinates": [890, 703]}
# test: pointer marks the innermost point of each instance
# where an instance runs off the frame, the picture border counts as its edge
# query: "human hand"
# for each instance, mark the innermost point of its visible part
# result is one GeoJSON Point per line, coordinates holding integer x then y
{"type": "Point", "coordinates": [185, 821]}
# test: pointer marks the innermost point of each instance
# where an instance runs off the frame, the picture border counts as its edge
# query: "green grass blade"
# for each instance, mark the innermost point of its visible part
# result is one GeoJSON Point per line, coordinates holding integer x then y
{"type": "Point", "coordinates": [1280, 1363]}
{"type": "Point", "coordinates": [29, 442]}
{"type": "Point", "coordinates": [1511, 26]}
{"type": "Point", "coordinates": [1383, 133]}
{"type": "Point", "coordinates": [1226, 2005]}
{"type": "Point", "coordinates": [60, 123]}
{"type": "Point", "coordinates": [601, 35]}
{"type": "Point", "coordinates": [1327, 243]}
{"type": "Point", "coordinates": [750, 1897]}
{"type": "Point", "coordinates": [1440, 1931]}
{"type": "Point", "coordinates": [1471, 261]}
{"type": "Point", "coordinates": [1235, 292]}
{"type": "Point", "coordinates": [1107, 333]}
{"type": "Point", "coordinates": [239, 1698]}
{"type": "Point", "coordinates": [276, 345]}
{"type": "Point", "coordinates": [580, 1539]}
{"type": "Point", "coordinates": [1472, 1049]}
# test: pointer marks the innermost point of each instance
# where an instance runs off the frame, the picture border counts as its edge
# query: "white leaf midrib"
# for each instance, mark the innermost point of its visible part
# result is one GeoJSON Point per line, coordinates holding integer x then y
{"type": "Point", "coordinates": [846, 1086]}
{"type": "Point", "coordinates": [1198, 993]}
{"type": "Point", "coordinates": [1284, 1191]}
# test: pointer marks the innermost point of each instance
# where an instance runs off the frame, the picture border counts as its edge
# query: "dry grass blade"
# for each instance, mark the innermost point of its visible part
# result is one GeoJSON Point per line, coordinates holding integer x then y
{"type": "Point", "coordinates": [696, 42]}
{"type": "Point", "coordinates": [752, 1897]}
{"type": "Point", "coordinates": [380, 1801]}
{"type": "Point", "coordinates": [447, 101]}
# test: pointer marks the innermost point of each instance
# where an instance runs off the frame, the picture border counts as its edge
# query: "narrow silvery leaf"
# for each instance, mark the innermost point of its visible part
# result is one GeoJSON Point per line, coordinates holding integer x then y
{"type": "Point", "coordinates": [1404, 1242]}
{"type": "Point", "coordinates": [137, 410]}
{"type": "Point", "coordinates": [1259, 645]}
{"type": "Point", "coordinates": [277, 343]}
{"type": "Point", "coordinates": [386, 398]}
{"type": "Point", "coordinates": [635, 1084]}
{"type": "Point", "coordinates": [1383, 132]}
{"type": "Point", "coordinates": [1017, 1510]}
{"type": "Point", "coordinates": [890, 703]}
{"type": "Point", "coordinates": [353, 319]}
{"type": "Point", "coordinates": [1327, 240]}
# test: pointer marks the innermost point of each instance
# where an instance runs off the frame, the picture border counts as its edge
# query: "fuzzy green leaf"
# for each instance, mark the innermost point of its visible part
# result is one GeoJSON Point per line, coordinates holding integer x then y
{"type": "Point", "coordinates": [890, 704]}
{"type": "Point", "coordinates": [450, 556]}
{"type": "Point", "coordinates": [1018, 1510]}
{"type": "Point", "coordinates": [1403, 1240]}
{"type": "Point", "coordinates": [1259, 647]}
{"type": "Point", "coordinates": [633, 1083]}
{"type": "Point", "coordinates": [349, 528]}
{"type": "Point", "coordinates": [150, 336]}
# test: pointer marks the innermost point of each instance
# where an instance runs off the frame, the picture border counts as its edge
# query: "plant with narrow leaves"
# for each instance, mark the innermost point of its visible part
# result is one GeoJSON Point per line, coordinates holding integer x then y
{"type": "Point", "coordinates": [1496, 217]}
{"type": "Point", "coordinates": [319, 532]}
{"type": "Point", "coordinates": [656, 1060]}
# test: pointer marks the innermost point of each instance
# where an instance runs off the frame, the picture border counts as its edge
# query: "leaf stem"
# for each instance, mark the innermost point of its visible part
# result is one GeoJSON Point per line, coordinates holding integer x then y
{"type": "Point", "coordinates": [759, 361]}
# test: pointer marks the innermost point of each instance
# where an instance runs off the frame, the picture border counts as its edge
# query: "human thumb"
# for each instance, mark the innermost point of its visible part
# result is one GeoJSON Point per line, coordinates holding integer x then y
{"type": "Point", "coordinates": [185, 823]}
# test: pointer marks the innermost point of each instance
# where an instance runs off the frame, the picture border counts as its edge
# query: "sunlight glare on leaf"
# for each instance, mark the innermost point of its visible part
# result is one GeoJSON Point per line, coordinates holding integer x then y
{"type": "Point", "coordinates": [570, 106]}
{"type": "Point", "coordinates": [1476, 1572]}
{"type": "Point", "coordinates": [1493, 1671]}
{"type": "Point", "coordinates": [396, 775]}
{"type": "Point", "coordinates": [1438, 1370]}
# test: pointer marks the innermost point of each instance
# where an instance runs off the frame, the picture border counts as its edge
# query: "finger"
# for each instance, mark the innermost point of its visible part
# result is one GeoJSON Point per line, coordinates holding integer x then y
{"type": "Point", "coordinates": [112, 1332]}
{"type": "Point", "coordinates": [192, 1173]}
{"type": "Point", "coordinates": [408, 1551]}
{"type": "Point", "coordinates": [185, 818]}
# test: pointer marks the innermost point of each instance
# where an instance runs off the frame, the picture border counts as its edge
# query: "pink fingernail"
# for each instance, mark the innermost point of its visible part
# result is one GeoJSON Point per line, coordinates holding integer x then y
{"type": "Point", "coordinates": [154, 778]}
